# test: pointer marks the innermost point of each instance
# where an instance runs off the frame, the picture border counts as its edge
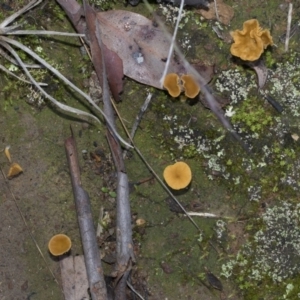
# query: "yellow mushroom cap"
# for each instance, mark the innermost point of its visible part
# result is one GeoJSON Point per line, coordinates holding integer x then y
{"type": "Point", "coordinates": [171, 83]}
{"type": "Point", "coordinates": [250, 42]}
{"type": "Point", "coordinates": [178, 176]}
{"type": "Point", "coordinates": [191, 87]}
{"type": "Point", "coordinates": [59, 244]}
{"type": "Point", "coordinates": [14, 170]}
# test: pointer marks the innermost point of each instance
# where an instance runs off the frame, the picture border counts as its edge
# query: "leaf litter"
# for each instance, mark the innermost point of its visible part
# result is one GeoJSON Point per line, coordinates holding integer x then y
{"type": "Point", "coordinates": [142, 46]}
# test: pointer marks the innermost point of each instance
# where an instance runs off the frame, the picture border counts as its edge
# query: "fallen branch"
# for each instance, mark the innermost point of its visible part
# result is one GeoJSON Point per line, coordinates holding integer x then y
{"type": "Point", "coordinates": [87, 230]}
{"type": "Point", "coordinates": [125, 255]}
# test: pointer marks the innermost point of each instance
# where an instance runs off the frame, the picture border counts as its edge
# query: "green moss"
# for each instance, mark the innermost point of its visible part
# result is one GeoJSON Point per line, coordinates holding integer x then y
{"type": "Point", "coordinates": [251, 115]}
{"type": "Point", "coordinates": [104, 4]}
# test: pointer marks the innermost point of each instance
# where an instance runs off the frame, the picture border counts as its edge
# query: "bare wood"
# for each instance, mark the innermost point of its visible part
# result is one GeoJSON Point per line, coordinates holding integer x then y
{"type": "Point", "coordinates": [67, 276]}
{"type": "Point", "coordinates": [74, 277]}
{"type": "Point", "coordinates": [288, 29]}
{"type": "Point", "coordinates": [87, 230]}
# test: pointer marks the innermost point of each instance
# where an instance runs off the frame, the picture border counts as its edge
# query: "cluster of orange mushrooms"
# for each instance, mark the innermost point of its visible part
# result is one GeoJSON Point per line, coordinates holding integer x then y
{"type": "Point", "coordinates": [175, 85]}
{"type": "Point", "coordinates": [249, 44]}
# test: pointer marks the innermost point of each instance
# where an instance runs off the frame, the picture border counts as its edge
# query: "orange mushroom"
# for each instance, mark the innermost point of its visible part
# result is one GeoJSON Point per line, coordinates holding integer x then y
{"type": "Point", "coordinates": [250, 42]}
{"type": "Point", "coordinates": [14, 170]}
{"type": "Point", "coordinates": [171, 83]}
{"type": "Point", "coordinates": [191, 87]}
{"type": "Point", "coordinates": [178, 176]}
{"type": "Point", "coordinates": [59, 244]}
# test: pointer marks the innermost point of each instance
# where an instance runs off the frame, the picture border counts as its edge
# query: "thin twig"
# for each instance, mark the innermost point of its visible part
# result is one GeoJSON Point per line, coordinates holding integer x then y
{"type": "Point", "coordinates": [216, 10]}
{"type": "Point", "coordinates": [152, 170]}
{"type": "Point", "coordinates": [288, 28]}
{"type": "Point", "coordinates": [134, 290]}
{"type": "Point", "coordinates": [14, 16]}
{"type": "Point", "coordinates": [43, 32]}
{"type": "Point", "coordinates": [19, 78]}
{"type": "Point", "coordinates": [172, 43]}
{"type": "Point", "coordinates": [13, 61]}
{"type": "Point", "coordinates": [63, 78]}
{"type": "Point", "coordinates": [207, 215]}
{"type": "Point", "coordinates": [138, 119]}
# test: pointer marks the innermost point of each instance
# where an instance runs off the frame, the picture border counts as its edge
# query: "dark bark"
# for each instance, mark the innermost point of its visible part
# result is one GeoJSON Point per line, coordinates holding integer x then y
{"type": "Point", "coordinates": [87, 230]}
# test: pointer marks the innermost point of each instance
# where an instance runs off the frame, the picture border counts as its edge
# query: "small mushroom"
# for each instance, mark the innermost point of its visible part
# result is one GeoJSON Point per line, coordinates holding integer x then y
{"type": "Point", "coordinates": [14, 170]}
{"type": "Point", "coordinates": [191, 87]}
{"type": "Point", "coordinates": [59, 244]}
{"type": "Point", "coordinates": [250, 42]}
{"type": "Point", "coordinates": [171, 84]}
{"type": "Point", "coordinates": [178, 176]}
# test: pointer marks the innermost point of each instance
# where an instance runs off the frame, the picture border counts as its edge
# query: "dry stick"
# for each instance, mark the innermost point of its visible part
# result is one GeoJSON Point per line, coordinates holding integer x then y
{"type": "Point", "coordinates": [172, 42]}
{"type": "Point", "coordinates": [75, 12]}
{"type": "Point", "coordinates": [288, 29]}
{"type": "Point", "coordinates": [124, 242]}
{"type": "Point", "coordinates": [133, 289]}
{"type": "Point", "coordinates": [87, 230]}
{"type": "Point", "coordinates": [217, 12]}
{"type": "Point", "coordinates": [138, 119]}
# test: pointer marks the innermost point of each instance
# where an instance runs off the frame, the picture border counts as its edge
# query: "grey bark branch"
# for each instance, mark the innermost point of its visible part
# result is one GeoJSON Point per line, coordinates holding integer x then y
{"type": "Point", "coordinates": [87, 230]}
{"type": "Point", "coordinates": [124, 242]}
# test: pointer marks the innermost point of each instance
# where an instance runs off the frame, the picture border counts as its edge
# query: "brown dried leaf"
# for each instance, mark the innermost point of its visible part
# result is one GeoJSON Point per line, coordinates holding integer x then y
{"type": "Point", "coordinates": [262, 72]}
{"type": "Point", "coordinates": [113, 63]}
{"type": "Point", "coordinates": [114, 72]}
{"type": "Point", "coordinates": [142, 46]}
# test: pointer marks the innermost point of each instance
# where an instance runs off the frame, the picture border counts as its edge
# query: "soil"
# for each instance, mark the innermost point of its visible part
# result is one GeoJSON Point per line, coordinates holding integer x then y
{"type": "Point", "coordinates": [171, 254]}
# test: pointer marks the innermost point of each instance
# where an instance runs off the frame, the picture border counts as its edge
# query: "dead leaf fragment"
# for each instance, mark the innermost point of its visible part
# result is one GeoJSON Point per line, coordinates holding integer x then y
{"type": "Point", "coordinates": [225, 12]}
{"type": "Point", "coordinates": [261, 70]}
{"type": "Point", "coordinates": [7, 153]}
{"type": "Point", "coordinates": [140, 222]}
{"type": "Point", "coordinates": [141, 46]}
{"type": "Point", "coordinates": [14, 170]}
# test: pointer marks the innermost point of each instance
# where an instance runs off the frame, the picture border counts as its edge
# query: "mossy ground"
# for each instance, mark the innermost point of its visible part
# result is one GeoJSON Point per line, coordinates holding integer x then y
{"type": "Point", "coordinates": [171, 253]}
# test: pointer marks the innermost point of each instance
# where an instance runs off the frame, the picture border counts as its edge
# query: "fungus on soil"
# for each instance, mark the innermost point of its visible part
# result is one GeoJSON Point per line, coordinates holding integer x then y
{"type": "Point", "coordinates": [178, 176]}
{"type": "Point", "coordinates": [59, 244]}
